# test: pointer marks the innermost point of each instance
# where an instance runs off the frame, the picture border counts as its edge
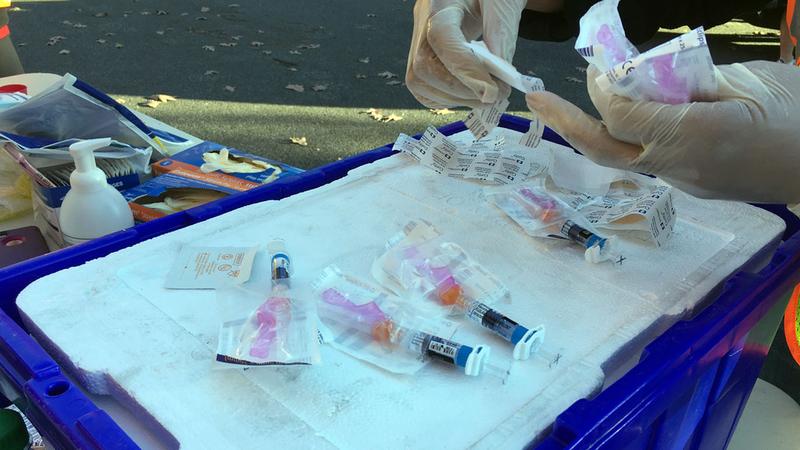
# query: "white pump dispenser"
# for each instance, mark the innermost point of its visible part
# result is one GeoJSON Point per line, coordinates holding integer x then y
{"type": "Point", "coordinates": [92, 207]}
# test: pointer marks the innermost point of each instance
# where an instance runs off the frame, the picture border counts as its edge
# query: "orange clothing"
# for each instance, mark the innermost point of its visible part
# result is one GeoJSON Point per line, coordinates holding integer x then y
{"type": "Point", "coordinates": [793, 23]}
{"type": "Point", "coordinates": [4, 31]}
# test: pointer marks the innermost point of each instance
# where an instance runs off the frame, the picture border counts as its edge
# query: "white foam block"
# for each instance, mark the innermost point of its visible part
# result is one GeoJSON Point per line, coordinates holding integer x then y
{"type": "Point", "coordinates": [118, 331]}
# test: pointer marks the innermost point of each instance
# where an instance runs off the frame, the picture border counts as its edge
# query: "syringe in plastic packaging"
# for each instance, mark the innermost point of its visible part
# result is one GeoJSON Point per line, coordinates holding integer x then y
{"type": "Point", "coordinates": [450, 293]}
{"type": "Point", "coordinates": [368, 318]}
{"type": "Point", "coordinates": [544, 215]}
{"type": "Point", "coordinates": [264, 331]}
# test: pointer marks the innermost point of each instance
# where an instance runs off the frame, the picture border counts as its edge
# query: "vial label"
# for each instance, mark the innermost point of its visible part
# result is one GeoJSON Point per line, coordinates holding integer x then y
{"type": "Point", "coordinates": [280, 266]}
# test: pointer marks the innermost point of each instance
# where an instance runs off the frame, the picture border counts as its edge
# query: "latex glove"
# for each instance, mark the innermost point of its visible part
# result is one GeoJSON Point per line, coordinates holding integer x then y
{"type": "Point", "coordinates": [442, 71]}
{"type": "Point", "coordinates": [746, 146]}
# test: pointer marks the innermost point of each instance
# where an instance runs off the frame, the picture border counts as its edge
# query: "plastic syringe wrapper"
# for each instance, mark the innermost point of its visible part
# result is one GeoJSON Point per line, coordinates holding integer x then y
{"type": "Point", "coordinates": [281, 331]}
{"type": "Point", "coordinates": [542, 214]}
{"type": "Point", "coordinates": [418, 264]}
{"type": "Point", "coordinates": [359, 319]}
{"type": "Point", "coordinates": [678, 71]}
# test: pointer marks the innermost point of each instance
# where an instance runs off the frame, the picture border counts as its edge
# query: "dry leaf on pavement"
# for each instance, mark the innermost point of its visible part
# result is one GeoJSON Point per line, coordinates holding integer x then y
{"type": "Point", "coordinates": [394, 82]}
{"type": "Point", "coordinates": [364, 60]}
{"type": "Point", "coordinates": [295, 87]}
{"type": "Point", "coordinates": [209, 48]}
{"type": "Point", "coordinates": [229, 88]}
{"type": "Point", "coordinates": [53, 40]}
{"type": "Point", "coordinates": [319, 87]}
{"type": "Point", "coordinates": [387, 75]}
{"type": "Point", "coordinates": [442, 112]}
{"type": "Point", "coordinates": [163, 98]}
{"type": "Point", "coordinates": [392, 118]}
{"type": "Point", "coordinates": [378, 115]}
{"type": "Point", "coordinates": [150, 104]}
{"type": "Point", "coordinates": [299, 141]}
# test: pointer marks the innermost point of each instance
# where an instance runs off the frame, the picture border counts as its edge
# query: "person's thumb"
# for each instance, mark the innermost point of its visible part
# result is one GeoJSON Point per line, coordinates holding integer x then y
{"type": "Point", "coordinates": [587, 134]}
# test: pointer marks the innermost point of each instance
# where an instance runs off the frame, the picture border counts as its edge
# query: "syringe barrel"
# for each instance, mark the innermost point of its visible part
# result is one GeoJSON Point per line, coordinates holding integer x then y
{"type": "Point", "coordinates": [499, 323]}
{"type": "Point", "coordinates": [428, 346]}
{"type": "Point", "coordinates": [581, 235]}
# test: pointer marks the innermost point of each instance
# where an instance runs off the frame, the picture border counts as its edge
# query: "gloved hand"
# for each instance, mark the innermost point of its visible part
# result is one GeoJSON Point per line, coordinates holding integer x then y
{"type": "Point", "coordinates": [746, 146]}
{"type": "Point", "coordinates": [442, 71]}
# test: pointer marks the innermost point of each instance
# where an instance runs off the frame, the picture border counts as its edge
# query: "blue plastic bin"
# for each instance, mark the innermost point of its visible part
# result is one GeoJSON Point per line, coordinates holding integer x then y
{"type": "Point", "coordinates": [687, 391]}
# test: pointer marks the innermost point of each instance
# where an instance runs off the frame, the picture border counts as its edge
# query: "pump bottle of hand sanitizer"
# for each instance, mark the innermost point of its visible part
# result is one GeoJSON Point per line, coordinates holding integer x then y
{"type": "Point", "coordinates": [92, 207]}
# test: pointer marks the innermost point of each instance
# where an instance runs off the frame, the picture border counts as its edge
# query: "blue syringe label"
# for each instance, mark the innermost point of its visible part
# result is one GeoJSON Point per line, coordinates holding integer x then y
{"type": "Point", "coordinates": [493, 320]}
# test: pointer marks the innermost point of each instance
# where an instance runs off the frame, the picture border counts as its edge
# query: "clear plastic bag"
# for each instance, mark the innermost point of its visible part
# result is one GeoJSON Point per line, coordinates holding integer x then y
{"type": "Point", "coordinates": [281, 331]}
{"type": "Point", "coordinates": [602, 40]}
{"type": "Point", "coordinates": [359, 319]}
{"type": "Point", "coordinates": [541, 214]}
{"type": "Point", "coordinates": [419, 264]}
{"type": "Point", "coordinates": [71, 110]}
{"type": "Point", "coordinates": [678, 71]}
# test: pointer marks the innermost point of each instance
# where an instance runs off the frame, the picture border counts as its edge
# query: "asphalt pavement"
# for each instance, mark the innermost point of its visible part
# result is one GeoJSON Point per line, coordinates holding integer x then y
{"type": "Point", "coordinates": [229, 65]}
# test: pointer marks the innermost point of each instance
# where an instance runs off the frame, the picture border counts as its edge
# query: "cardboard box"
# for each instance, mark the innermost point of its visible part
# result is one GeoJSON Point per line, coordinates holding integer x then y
{"type": "Point", "coordinates": [189, 164]}
{"type": "Point", "coordinates": [54, 196]}
{"type": "Point", "coordinates": [170, 188]}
